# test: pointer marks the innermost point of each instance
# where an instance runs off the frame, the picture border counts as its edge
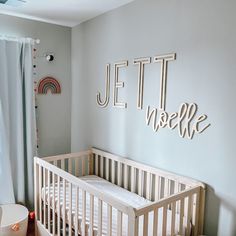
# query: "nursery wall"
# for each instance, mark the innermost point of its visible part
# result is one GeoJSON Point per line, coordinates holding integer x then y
{"type": "Point", "coordinates": [53, 110]}
{"type": "Point", "coordinates": [203, 35]}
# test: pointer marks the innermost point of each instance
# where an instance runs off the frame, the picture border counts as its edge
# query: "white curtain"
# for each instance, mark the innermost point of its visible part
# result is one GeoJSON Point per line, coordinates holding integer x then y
{"type": "Point", "coordinates": [17, 121]}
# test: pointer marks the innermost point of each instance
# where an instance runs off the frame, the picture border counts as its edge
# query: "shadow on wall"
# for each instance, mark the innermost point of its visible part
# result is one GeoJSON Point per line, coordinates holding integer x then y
{"type": "Point", "coordinates": [231, 213]}
{"type": "Point", "coordinates": [213, 213]}
{"type": "Point", "coordinates": [212, 210]}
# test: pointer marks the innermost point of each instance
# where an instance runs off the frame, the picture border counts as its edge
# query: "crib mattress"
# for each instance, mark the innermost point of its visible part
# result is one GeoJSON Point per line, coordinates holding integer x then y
{"type": "Point", "coordinates": [113, 190]}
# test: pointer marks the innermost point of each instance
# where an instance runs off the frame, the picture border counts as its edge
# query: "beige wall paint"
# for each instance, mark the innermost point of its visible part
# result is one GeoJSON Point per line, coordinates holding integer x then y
{"type": "Point", "coordinates": [53, 110]}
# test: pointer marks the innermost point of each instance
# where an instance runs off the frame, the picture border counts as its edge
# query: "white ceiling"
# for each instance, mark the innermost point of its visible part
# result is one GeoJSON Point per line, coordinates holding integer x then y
{"type": "Point", "coordinates": [62, 12]}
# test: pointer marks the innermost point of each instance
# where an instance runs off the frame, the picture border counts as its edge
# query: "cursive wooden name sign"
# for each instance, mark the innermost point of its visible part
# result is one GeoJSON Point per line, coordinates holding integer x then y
{"type": "Point", "coordinates": [185, 119]}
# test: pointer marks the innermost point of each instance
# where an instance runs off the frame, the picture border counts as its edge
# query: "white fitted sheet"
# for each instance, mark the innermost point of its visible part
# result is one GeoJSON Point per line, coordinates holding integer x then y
{"type": "Point", "coordinates": [113, 190]}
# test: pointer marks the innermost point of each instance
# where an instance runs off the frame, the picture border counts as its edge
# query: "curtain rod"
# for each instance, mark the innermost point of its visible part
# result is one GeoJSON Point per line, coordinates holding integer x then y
{"type": "Point", "coordinates": [37, 41]}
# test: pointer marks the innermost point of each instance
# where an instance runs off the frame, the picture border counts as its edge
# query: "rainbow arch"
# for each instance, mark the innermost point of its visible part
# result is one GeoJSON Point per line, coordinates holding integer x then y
{"type": "Point", "coordinates": [49, 84]}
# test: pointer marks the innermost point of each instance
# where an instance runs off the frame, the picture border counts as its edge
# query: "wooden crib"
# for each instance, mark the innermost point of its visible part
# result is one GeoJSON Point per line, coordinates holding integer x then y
{"type": "Point", "coordinates": [97, 193]}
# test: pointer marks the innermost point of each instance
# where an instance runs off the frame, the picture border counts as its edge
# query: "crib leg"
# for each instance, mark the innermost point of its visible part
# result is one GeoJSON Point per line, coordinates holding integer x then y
{"type": "Point", "coordinates": [133, 226]}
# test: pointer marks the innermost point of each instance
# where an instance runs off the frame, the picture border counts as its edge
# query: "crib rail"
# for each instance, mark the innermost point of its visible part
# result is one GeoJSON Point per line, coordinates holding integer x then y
{"type": "Point", "coordinates": [67, 156]}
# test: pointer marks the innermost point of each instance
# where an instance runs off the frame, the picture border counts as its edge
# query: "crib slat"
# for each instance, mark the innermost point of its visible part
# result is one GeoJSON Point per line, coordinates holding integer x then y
{"type": "Point", "coordinates": [49, 202]}
{"type": "Point", "coordinates": [157, 187]}
{"type": "Point", "coordinates": [36, 189]}
{"type": "Point", "coordinates": [70, 166]}
{"type": "Point", "coordinates": [84, 212]}
{"type": "Point", "coordinates": [151, 192]}
{"type": "Point", "coordinates": [63, 166]}
{"type": "Point", "coordinates": [96, 164]}
{"type": "Point", "coordinates": [145, 224]}
{"type": "Point", "coordinates": [113, 171]}
{"type": "Point", "coordinates": [76, 211]}
{"type": "Point", "coordinates": [64, 207]}
{"type": "Point", "coordinates": [109, 220]}
{"type": "Point", "coordinates": [101, 166]}
{"type": "Point", "coordinates": [133, 226]}
{"type": "Point", "coordinates": [99, 217]}
{"type": "Point", "coordinates": [91, 215]}
{"type": "Point", "coordinates": [77, 167]}
{"type": "Point", "coordinates": [176, 187]}
{"type": "Point", "coordinates": [189, 217]}
{"type": "Point", "coordinates": [132, 175]}
{"type": "Point", "coordinates": [70, 209]}
{"type": "Point", "coordinates": [107, 169]}
{"type": "Point", "coordinates": [166, 187]}
{"type": "Point", "coordinates": [148, 187]}
{"type": "Point", "coordinates": [119, 223]}
{"type": "Point", "coordinates": [140, 183]}
{"type": "Point", "coordinates": [91, 162]}
{"type": "Point", "coordinates": [55, 163]}
{"type": "Point", "coordinates": [40, 194]}
{"type": "Point", "coordinates": [197, 213]}
{"type": "Point", "coordinates": [83, 167]}
{"type": "Point", "coordinates": [126, 176]}
{"type": "Point", "coordinates": [155, 222]}
{"type": "Point", "coordinates": [169, 187]}
{"type": "Point", "coordinates": [186, 211]}
{"type": "Point", "coordinates": [58, 206]}
{"type": "Point", "coordinates": [194, 197]}
{"type": "Point", "coordinates": [119, 174]}
{"type": "Point", "coordinates": [176, 190]}
{"type": "Point", "coordinates": [53, 205]}
{"type": "Point", "coordinates": [44, 197]}
{"type": "Point", "coordinates": [173, 210]}
{"type": "Point", "coordinates": [181, 216]}
{"type": "Point", "coordinates": [164, 220]}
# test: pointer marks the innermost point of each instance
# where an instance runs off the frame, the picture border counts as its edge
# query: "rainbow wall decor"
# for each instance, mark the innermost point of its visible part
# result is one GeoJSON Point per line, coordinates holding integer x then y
{"type": "Point", "coordinates": [49, 83]}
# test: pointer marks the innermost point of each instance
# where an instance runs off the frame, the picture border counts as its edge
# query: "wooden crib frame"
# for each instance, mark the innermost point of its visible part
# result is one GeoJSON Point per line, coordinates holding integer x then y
{"type": "Point", "coordinates": [182, 195]}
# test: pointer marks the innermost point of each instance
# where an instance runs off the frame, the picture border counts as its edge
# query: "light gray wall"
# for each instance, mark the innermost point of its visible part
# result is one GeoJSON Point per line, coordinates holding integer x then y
{"type": "Point", "coordinates": [53, 110]}
{"type": "Point", "coordinates": [203, 35]}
